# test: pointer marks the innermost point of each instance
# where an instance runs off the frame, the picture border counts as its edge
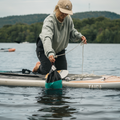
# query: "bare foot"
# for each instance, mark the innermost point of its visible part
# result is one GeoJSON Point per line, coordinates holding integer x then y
{"type": "Point", "coordinates": [36, 67]}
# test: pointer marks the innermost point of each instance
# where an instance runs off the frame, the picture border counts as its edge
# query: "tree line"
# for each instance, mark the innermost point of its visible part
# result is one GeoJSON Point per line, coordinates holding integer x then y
{"type": "Point", "coordinates": [99, 30]}
{"type": "Point", "coordinates": [96, 30]}
{"type": "Point", "coordinates": [33, 18]}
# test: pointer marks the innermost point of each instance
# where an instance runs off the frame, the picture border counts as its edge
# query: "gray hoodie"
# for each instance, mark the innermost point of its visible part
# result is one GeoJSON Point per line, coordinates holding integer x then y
{"type": "Point", "coordinates": [55, 35]}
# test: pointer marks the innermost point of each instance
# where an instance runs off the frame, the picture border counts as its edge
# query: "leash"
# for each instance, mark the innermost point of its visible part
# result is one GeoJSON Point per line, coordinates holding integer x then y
{"type": "Point", "coordinates": [81, 43]}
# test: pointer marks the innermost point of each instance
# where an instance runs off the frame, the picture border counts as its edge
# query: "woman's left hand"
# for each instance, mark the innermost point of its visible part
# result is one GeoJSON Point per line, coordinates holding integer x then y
{"type": "Point", "coordinates": [84, 39]}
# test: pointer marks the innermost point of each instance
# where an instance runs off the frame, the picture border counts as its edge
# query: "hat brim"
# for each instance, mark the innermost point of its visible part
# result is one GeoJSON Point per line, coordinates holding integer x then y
{"type": "Point", "coordinates": [69, 12]}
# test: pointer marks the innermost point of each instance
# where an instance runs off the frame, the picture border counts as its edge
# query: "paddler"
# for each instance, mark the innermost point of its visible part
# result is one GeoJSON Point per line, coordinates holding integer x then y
{"type": "Point", "coordinates": [57, 30]}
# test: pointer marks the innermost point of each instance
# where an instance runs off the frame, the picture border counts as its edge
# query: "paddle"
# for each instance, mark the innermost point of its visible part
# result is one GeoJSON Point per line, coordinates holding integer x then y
{"type": "Point", "coordinates": [24, 71]}
{"type": "Point", "coordinates": [4, 48]}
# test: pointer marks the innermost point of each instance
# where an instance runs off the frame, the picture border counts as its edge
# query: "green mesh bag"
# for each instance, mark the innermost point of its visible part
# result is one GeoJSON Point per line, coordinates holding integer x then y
{"type": "Point", "coordinates": [53, 80]}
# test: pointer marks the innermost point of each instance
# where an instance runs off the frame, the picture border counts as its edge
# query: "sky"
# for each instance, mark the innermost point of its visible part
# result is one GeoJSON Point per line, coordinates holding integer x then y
{"type": "Point", "coordinates": [25, 7]}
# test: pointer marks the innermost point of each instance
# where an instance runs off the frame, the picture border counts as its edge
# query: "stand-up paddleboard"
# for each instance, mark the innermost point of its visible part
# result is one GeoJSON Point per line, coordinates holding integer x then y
{"type": "Point", "coordinates": [72, 80]}
{"type": "Point", "coordinates": [7, 49]}
{"type": "Point", "coordinates": [95, 82]}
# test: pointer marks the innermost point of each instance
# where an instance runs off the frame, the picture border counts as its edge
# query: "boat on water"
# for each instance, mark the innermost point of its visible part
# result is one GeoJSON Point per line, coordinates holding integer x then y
{"type": "Point", "coordinates": [25, 42]}
{"type": "Point", "coordinates": [72, 80]}
{"type": "Point", "coordinates": [7, 49]}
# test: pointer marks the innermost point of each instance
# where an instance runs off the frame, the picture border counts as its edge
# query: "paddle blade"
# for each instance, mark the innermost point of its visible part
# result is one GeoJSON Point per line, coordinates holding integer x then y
{"type": "Point", "coordinates": [63, 73]}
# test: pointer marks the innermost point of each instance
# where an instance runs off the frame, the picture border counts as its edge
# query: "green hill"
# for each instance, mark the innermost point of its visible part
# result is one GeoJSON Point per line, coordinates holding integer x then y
{"type": "Point", "coordinates": [28, 19]}
{"type": "Point", "coordinates": [96, 14]}
{"type": "Point", "coordinates": [34, 18]}
{"type": "Point", "coordinates": [96, 30]}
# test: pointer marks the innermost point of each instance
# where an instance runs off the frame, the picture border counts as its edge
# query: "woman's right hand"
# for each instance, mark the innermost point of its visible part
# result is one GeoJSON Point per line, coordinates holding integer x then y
{"type": "Point", "coordinates": [84, 39]}
{"type": "Point", "coordinates": [51, 58]}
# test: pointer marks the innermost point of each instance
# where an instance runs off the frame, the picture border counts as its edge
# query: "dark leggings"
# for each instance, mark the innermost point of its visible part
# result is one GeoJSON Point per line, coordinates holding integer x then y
{"type": "Point", "coordinates": [60, 62]}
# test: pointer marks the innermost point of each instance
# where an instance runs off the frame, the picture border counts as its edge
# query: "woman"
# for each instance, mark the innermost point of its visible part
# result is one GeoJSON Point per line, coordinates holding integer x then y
{"type": "Point", "coordinates": [57, 30]}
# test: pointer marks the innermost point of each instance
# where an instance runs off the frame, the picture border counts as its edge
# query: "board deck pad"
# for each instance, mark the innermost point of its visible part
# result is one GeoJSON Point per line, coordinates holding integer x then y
{"type": "Point", "coordinates": [82, 77]}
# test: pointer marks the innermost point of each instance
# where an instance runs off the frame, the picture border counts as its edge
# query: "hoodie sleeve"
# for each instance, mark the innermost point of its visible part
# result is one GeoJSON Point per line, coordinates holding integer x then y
{"type": "Point", "coordinates": [46, 36]}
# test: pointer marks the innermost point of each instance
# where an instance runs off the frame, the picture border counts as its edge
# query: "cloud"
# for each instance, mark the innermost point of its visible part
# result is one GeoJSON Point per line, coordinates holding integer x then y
{"type": "Point", "coordinates": [23, 7]}
{"type": "Point", "coordinates": [96, 5]}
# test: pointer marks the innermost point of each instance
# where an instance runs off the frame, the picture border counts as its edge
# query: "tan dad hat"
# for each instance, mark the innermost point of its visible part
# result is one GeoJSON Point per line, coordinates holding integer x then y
{"type": "Point", "coordinates": [65, 6]}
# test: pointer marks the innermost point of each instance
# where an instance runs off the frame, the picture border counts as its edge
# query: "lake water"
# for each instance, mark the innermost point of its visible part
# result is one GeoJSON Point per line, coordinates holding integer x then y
{"type": "Point", "coordinates": [33, 103]}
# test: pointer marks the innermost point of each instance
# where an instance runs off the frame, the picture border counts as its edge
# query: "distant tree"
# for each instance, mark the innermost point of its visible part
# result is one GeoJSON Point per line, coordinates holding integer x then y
{"type": "Point", "coordinates": [96, 30]}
